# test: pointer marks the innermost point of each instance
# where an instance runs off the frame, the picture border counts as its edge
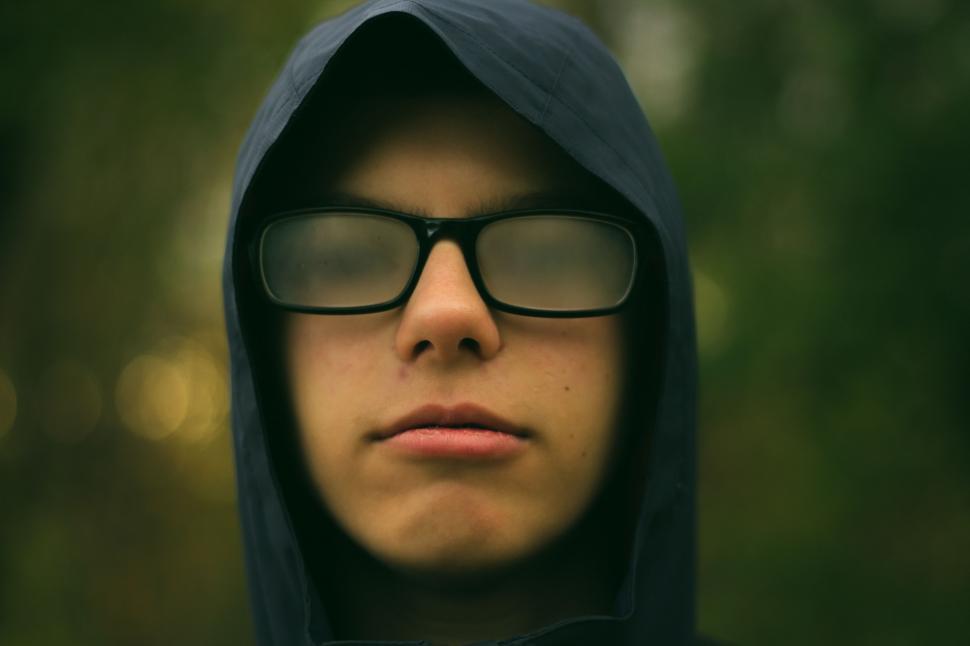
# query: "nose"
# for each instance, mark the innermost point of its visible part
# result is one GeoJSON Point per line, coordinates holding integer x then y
{"type": "Point", "coordinates": [445, 319]}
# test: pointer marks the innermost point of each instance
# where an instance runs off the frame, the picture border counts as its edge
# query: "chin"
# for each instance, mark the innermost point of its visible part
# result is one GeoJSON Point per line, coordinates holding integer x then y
{"type": "Point", "coordinates": [463, 550]}
{"type": "Point", "coordinates": [450, 535]}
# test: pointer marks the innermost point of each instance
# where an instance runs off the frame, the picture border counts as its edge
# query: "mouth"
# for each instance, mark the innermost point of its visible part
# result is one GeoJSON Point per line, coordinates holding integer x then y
{"type": "Point", "coordinates": [469, 417]}
{"type": "Point", "coordinates": [463, 431]}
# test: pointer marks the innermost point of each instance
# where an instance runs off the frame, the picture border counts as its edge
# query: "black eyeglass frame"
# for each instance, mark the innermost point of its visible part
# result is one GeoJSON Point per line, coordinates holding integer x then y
{"type": "Point", "coordinates": [464, 231]}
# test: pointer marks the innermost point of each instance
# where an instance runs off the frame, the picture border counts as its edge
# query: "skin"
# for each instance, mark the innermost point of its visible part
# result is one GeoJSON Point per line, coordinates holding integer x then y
{"type": "Point", "coordinates": [460, 549]}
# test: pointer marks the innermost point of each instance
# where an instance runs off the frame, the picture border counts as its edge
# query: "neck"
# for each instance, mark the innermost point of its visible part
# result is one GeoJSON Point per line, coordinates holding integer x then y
{"type": "Point", "coordinates": [573, 577]}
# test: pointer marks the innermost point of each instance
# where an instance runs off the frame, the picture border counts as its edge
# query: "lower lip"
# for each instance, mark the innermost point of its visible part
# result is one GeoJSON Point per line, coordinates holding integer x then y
{"type": "Point", "coordinates": [442, 442]}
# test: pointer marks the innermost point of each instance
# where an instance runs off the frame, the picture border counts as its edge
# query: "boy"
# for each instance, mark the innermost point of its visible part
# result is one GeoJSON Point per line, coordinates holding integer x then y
{"type": "Point", "coordinates": [462, 340]}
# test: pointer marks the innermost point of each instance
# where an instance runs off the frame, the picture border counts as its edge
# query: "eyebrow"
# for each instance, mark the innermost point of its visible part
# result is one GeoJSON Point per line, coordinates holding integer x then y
{"type": "Point", "coordinates": [549, 198]}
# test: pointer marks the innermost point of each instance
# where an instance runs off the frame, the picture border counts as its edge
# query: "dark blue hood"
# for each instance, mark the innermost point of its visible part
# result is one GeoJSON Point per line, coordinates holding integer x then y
{"type": "Point", "coordinates": [553, 71]}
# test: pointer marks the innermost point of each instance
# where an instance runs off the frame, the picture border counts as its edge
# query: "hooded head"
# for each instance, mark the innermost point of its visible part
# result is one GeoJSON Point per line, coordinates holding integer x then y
{"type": "Point", "coordinates": [493, 438]}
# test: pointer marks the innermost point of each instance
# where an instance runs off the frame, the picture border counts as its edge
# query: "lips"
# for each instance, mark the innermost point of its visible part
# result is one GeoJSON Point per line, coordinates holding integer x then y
{"type": "Point", "coordinates": [462, 416]}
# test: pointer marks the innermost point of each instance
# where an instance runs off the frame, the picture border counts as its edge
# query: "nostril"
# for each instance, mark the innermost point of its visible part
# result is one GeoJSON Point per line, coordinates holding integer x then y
{"type": "Point", "coordinates": [420, 347]}
{"type": "Point", "coordinates": [467, 343]}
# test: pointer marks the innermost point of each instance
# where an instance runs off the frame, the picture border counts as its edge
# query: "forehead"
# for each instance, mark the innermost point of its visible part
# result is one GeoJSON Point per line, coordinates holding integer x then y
{"type": "Point", "coordinates": [445, 155]}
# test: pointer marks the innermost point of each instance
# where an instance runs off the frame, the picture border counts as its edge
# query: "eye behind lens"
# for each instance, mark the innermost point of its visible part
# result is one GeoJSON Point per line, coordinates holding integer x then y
{"type": "Point", "coordinates": [559, 263]}
{"type": "Point", "coordinates": [336, 259]}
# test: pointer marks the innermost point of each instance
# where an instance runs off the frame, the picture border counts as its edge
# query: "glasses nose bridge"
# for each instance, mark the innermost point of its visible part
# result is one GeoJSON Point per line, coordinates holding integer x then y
{"type": "Point", "coordinates": [462, 233]}
{"type": "Point", "coordinates": [458, 230]}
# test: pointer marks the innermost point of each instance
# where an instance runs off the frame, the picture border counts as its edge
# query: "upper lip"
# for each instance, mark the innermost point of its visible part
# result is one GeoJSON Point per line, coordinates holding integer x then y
{"type": "Point", "coordinates": [471, 415]}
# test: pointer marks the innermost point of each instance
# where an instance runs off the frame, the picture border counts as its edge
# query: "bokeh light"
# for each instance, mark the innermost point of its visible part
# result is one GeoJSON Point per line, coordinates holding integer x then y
{"type": "Point", "coordinates": [178, 389]}
{"type": "Point", "coordinates": [208, 404]}
{"type": "Point", "coordinates": [152, 396]}
{"type": "Point", "coordinates": [660, 44]}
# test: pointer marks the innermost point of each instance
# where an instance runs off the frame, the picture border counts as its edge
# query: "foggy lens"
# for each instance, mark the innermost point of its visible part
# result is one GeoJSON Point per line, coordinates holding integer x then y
{"type": "Point", "coordinates": [558, 263]}
{"type": "Point", "coordinates": [337, 259]}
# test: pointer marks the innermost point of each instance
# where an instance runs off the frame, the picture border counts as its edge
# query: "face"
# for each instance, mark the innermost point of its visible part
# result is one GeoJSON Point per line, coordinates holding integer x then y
{"type": "Point", "coordinates": [557, 382]}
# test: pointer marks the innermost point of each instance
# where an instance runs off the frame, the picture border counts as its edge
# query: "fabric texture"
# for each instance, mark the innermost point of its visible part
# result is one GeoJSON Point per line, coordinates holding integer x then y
{"type": "Point", "coordinates": [549, 68]}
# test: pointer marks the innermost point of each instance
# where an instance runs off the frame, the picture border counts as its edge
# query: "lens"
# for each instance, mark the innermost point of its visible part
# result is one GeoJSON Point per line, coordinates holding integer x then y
{"type": "Point", "coordinates": [337, 259]}
{"type": "Point", "coordinates": [557, 262]}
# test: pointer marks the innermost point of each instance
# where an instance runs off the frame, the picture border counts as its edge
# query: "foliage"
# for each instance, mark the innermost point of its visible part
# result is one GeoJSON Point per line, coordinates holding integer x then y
{"type": "Point", "coordinates": [820, 152]}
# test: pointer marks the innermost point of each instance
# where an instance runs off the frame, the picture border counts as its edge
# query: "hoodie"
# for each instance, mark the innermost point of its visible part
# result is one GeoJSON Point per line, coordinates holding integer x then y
{"type": "Point", "coordinates": [550, 69]}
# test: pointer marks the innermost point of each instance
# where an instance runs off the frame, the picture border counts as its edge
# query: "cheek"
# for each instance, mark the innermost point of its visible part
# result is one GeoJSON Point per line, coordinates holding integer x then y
{"type": "Point", "coordinates": [333, 366]}
{"type": "Point", "coordinates": [329, 357]}
{"type": "Point", "coordinates": [574, 373]}
{"type": "Point", "coordinates": [318, 348]}
{"type": "Point", "coordinates": [576, 362]}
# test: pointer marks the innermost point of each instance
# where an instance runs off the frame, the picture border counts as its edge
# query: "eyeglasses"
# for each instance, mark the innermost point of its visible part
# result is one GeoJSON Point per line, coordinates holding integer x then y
{"type": "Point", "coordinates": [349, 260]}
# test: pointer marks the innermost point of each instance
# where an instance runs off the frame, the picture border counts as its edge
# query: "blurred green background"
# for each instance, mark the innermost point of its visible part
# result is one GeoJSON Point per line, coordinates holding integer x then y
{"type": "Point", "coordinates": [821, 151]}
